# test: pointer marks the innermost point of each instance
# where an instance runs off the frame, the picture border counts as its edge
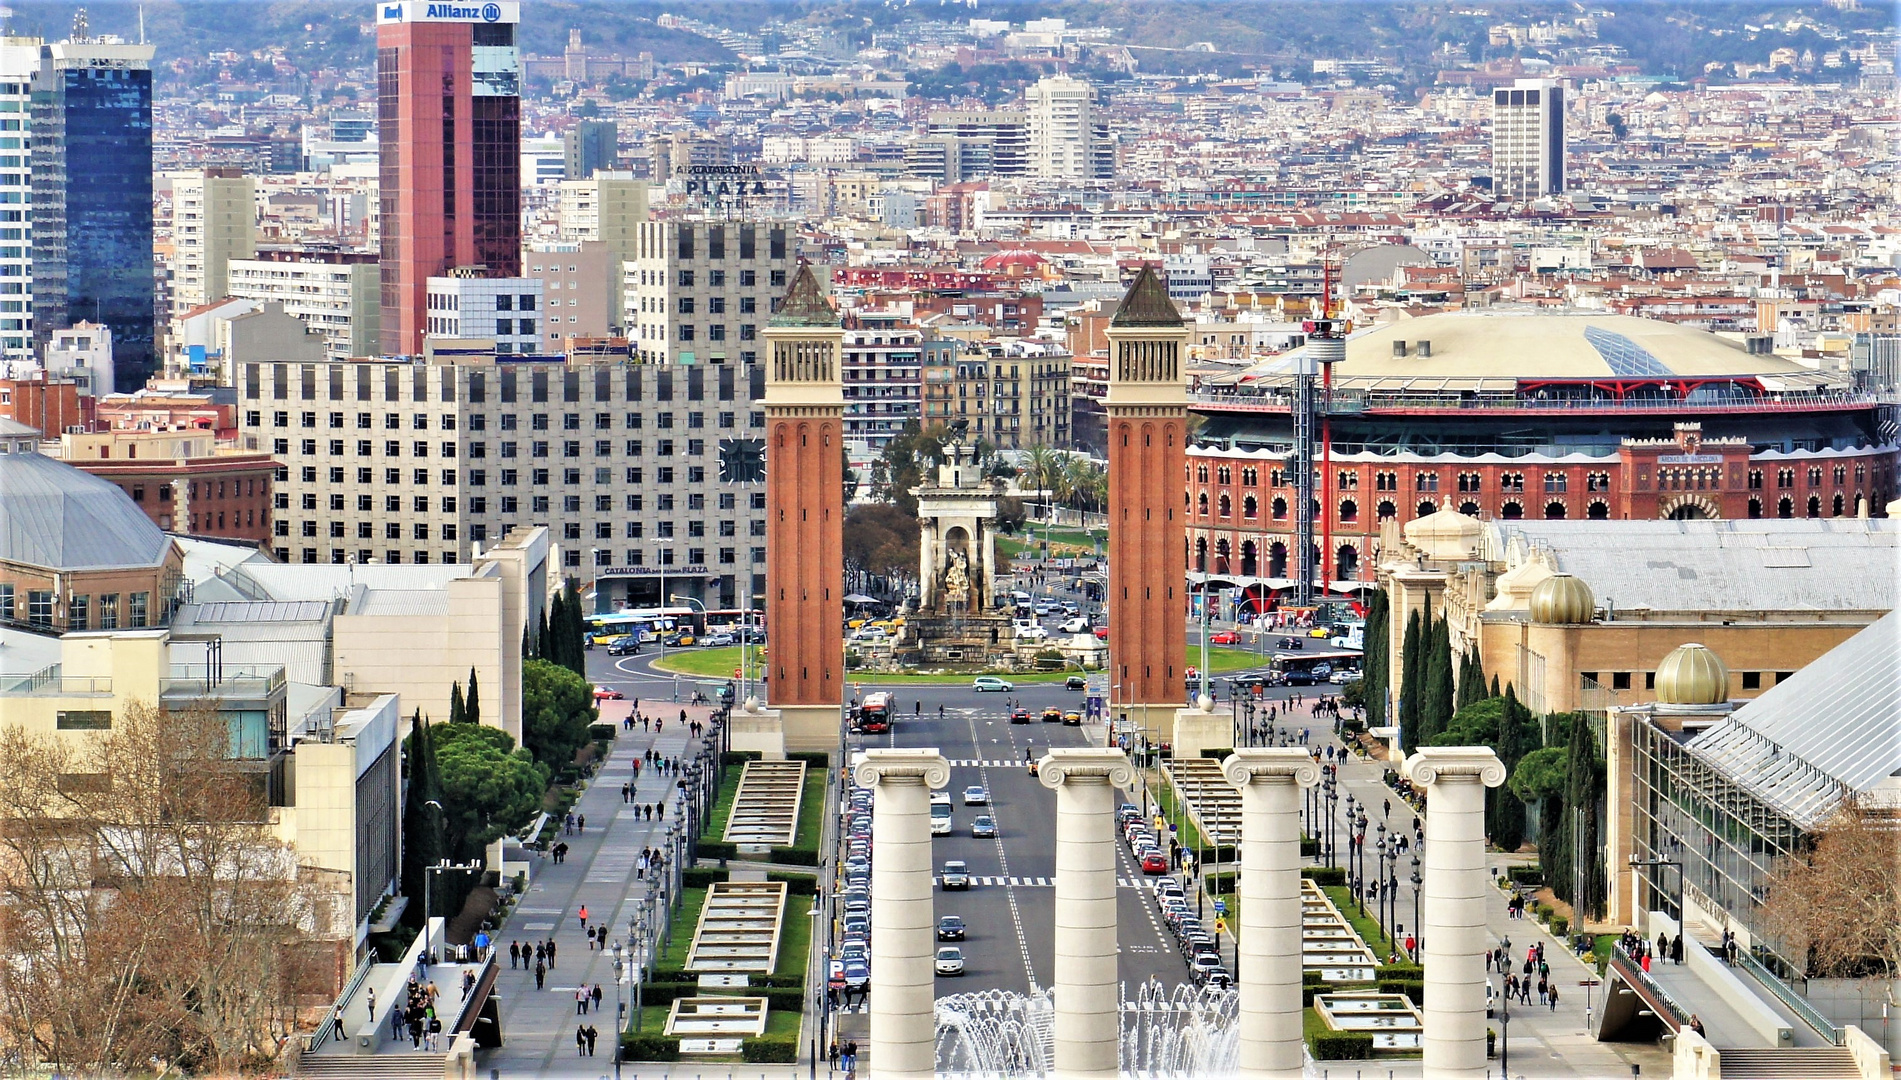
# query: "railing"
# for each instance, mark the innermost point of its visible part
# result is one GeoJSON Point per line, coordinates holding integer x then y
{"type": "Point", "coordinates": [1354, 401]}
{"type": "Point", "coordinates": [48, 682]}
{"type": "Point", "coordinates": [314, 1040]}
{"type": "Point", "coordinates": [1797, 1004]}
{"type": "Point", "coordinates": [225, 680]}
{"type": "Point", "coordinates": [1635, 972]}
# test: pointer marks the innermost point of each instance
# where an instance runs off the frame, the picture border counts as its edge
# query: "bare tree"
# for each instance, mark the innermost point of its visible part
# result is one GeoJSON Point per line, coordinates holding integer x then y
{"type": "Point", "coordinates": [1836, 906]}
{"type": "Point", "coordinates": [153, 912]}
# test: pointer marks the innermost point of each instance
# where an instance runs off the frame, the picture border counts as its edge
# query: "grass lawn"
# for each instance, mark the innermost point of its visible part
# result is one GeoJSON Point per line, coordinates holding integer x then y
{"type": "Point", "coordinates": [685, 920]}
{"type": "Point", "coordinates": [715, 829]}
{"type": "Point", "coordinates": [719, 664]}
{"type": "Point", "coordinates": [1177, 815]}
{"type": "Point", "coordinates": [1311, 1025]}
{"type": "Point", "coordinates": [811, 808]}
{"type": "Point", "coordinates": [795, 937]}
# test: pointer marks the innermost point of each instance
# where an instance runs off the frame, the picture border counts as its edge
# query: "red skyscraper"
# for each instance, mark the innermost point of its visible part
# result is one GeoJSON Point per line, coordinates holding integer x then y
{"type": "Point", "coordinates": [448, 101]}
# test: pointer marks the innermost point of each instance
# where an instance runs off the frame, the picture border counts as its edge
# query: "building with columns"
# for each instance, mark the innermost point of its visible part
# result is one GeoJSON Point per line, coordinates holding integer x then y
{"type": "Point", "coordinates": [1147, 409]}
{"type": "Point", "coordinates": [805, 512]}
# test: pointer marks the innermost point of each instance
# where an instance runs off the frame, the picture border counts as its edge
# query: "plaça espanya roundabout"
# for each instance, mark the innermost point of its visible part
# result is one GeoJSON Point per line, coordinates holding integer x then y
{"type": "Point", "coordinates": [1079, 1027]}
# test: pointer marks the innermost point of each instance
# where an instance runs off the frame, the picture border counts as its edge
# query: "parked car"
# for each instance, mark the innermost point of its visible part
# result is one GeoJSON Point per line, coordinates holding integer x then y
{"type": "Point", "coordinates": [857, 925]}
{"type": "Point", "coordinates": [950, 960]}
{"type": "Point", "coordinates": [1102, 633]}
{"type": "Point", "coordinates": [984, 828]}
{"type": "Point", "coordinates": [950, 928]}
{"type": "Point", "coordinates": [1155, 862]}
{"type": "Point", "coordinates": [679, 639]}
{"type": "Point", "coordinates": [604, 693]}
{"type": "Point", "coordinates": [1076, 626]}
{"type": "Point", "coordinates": [857, 975]}
{"type": "Point", "coordinates": [1075, 682]}
{"type": "Point", "coordinates": [976, 795]}
{"type": "Point", "coordinates": [1321, 670]}
{"type": "Point", "coordinates": [1343, 677]}
{"type": "Point", "coordinates": [985, 683]}
{"type": "Point", "coordinates": [1225, 637]}
{"type": "Point", "coordinates": [956, 874]}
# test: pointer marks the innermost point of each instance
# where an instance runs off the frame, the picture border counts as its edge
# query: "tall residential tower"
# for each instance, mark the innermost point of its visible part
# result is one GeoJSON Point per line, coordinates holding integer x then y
{"type": "Point", "coordinates": [1528, 139]}
{"type": "Point", "coordinates": [449, 108]}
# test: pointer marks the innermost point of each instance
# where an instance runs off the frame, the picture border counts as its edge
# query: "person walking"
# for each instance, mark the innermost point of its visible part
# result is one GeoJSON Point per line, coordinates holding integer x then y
{"type": "Point", "coordinates": [336, 1023]}
{"type": "Point", "coordinates": [371, 1021]}
{"type": "Point", "coordinates": [591, 1036]}
{"type": "Point", "coordinates": [541, 975]}
{"type": "Point", "coordinates": [514, 955]}
{"type": "Point", "coordinates": [580, 1041]}
{"type": "Point", "coordinates": [595, 996]}
{"type": "Point", "coordinates": [580, 1003]}
{"type": "Point", "coordinates": [551, 963]}
{"type": "Point", "coordinates": [1553, 999]}
{"type": "Point", "coordinates": [583, 914]}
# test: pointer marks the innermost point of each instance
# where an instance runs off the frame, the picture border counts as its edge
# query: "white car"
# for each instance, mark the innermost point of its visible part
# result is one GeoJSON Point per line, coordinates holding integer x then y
{"type": "Point", "coordinates": [1076, 626]}
{"type": "Point", "coordinates": [984, 683]}
{"type": "Point", "coordinates": [975, 795]}
{"type": "Point", "coordinates": [1032, 633]}
{"type": "Point", "coordinates": [1341, 678]}
{"type": "Point", "coordinates": [950, 960]}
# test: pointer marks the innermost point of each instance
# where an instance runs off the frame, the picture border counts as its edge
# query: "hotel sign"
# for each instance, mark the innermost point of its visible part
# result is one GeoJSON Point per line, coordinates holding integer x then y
{"type": "Point", "coordinates": [410, 11]}
{"type": "Point", "coordinates": [655, 571]}
{"type": "Point", "coordinates": [724, 181]}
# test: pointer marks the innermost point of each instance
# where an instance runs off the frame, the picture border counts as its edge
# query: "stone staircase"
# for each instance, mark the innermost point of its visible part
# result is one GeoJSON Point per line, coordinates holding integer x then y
{"type": "Point", "coordinates": [1797, 1063]}
{"type": "Point", "coordinates": [397, 1065]}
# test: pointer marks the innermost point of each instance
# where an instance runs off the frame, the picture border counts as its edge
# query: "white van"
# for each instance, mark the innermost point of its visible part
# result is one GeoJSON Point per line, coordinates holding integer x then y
{"type": "Point", "coordinates": [941, 817]}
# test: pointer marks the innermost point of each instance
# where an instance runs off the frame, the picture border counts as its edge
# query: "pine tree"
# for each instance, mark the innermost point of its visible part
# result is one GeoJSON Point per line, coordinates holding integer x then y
{"type": "Point", "coordinates": [472, 701]}
{"type": "Point", "coordinates": [1409, 684]}
{"type": "Point", "coordinates": [1435, 708]}
{"type": "Point", "coordinates": [455, 703]}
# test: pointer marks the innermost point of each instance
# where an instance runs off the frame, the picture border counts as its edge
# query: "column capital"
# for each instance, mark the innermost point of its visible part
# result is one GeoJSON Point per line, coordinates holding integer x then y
{"type": "Point", "coordinates": [1063, 764]}
{"type": "Point", "coordinates": [1429, 765]}
{"type": "Point", "coordinates": [1249, 764]}
{"type": "Point", "coordinates": [869, 767]}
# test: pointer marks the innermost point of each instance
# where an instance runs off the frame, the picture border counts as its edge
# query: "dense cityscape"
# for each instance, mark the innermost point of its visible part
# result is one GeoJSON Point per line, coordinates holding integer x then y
{"type": "Point", "coordinates": [998, 540]}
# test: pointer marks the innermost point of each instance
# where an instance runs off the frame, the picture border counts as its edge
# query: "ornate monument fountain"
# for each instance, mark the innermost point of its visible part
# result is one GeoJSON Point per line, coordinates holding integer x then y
{"type": "Point", "coordinates": [957, 621]}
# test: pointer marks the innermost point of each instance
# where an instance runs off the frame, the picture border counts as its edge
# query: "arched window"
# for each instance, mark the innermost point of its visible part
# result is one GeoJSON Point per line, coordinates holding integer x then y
{"type": "Point", "coordinates": [1785, 508]}
{"type": "Point", "coordinates": [1201, 554]}
{"type": "Point", "coordinates": [1250, 507]}
{"type": "Point", "coordinates": [1815, 506]}
{"type": "Point", "coordinates": [1346, 563]}
{"type": "Point", "coordinates": [1387, 511]}
{"type": "Point", "coordinates": [1201, 503]}
{"type": "Point", "coordinates": [1250, 477]}
{"type": "Point", "coordinates": [1755, 508]}
{"type": "Point", "coordinates": [1602, 512]}
{"type": "Point", "coordinates": [1424, 508]}
{"type": "Point", "coordinates": [1221, 557]}
{"type": "Point", "coordinates": [1349, 510]}
{"type": "Point", "coordinates": [1554, 511]}
{"type": "Point", "coordinates": [1224, 474]}
{"type": "Point", "coordinates": [1511, 511]}
{"type": "Point", "coordinates": [1226, 505]}
{"type": "Point", "coordinates": [1840, 501]}
{"type": "Point", "coordinates": [1277, 559]}
{"type": "Point", "coordinates": [1250, 562]}
{"type": "Point", "coordinates": [1279, 508]}
{"type": "Point", "coordinates": [1469, 508]}
{"type": "Point", "coordinates": [1201, 474]}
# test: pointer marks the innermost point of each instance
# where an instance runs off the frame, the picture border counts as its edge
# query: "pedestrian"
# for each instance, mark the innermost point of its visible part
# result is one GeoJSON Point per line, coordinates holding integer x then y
{"type": "Point", "coordinates": [591, 1036]}
{"type": "Point", "coordinates": [371, 1021]}
{"type": "Point", "coordinates": [514, 954]}
{"type": "Point", "coordinates": [415, 1030]}
{"type": "Point", "coordinates": [336, 1023]}
{"type": "Point", "coordinates": [660, 810]}
{"type": "Point", "coordinates": [435, 1031]}
{"type": "Point", "coordinates": [595, 996]}
{"type": "Point", "coordinates": [580, 1003]}
{"type": "Point", "coordinates": [583, 914]}
{"type": "Point", "coordinates": [917, 707]}
{"type": "Point", "coordinates": [541, 975]}
{"type": "Point", "coordinates": [1646, 963]}
{"type": "Point", "coordinates": [580, 1041]}
{"type": "Point", "coordinates": [581, 823]}
{"type": "Point", "coordinates": [1544, 990]}
{"type": "Point", "coordinates": [626, 793]}
{"type": "Point", "coordinates": [1676, 949]}
{"type": "Point", "coordinates": [1696, 1025]}
{"type": "Point", "coordinates": [831, 1054]}
{"type": "Point", "coordinates": [551, 962]}
{"type": "Point", "coordinates": [1663, 944]}
{"type": "Point", "coordinates": [1553, 999]}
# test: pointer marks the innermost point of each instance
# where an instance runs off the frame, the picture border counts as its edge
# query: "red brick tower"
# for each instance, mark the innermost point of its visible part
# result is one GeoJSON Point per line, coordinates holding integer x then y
{"type": "Point", "coordinates": [805, 513]}
{"type": "Point", "coordinates": [1148, 429]}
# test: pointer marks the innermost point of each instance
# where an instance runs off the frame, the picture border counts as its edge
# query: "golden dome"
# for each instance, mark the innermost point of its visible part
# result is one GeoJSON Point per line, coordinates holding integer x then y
{"type": "Point", "coordinates": [1692, 675]}
{"type": "Point", "coordinates": [1562, 598]}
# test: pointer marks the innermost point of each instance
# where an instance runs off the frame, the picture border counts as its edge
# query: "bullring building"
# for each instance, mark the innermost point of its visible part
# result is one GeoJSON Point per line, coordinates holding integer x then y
{"type": "Point", "coordinates": [1525, 416]}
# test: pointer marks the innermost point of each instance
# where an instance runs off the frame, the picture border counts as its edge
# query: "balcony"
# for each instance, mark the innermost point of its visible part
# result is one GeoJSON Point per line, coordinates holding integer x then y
{"type": "Point", "coordinates": [48, 682]}
{"type": "Point", "coordinates": [187, 681]}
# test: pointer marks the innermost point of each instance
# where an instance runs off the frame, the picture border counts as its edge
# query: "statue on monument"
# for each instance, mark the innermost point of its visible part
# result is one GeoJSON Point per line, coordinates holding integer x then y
{"type": "Point", "coordinates": [957, 580]}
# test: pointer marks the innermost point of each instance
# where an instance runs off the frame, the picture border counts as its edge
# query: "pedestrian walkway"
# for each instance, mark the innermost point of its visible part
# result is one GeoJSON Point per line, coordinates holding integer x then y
{"type": "Point", "coordinates": [600, 871]}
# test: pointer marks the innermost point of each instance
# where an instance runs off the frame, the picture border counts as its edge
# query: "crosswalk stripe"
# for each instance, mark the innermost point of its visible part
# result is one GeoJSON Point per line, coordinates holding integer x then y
{"type": "Point", "coordinates": [996, 881]}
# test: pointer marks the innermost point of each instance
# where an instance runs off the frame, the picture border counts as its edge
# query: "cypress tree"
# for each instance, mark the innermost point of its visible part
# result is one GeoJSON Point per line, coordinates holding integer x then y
{"type": "Point", "coordinates": [1508, 816]}
{"type": "Point", "coordinates": [472, 701]}
{"type": "Point", "coordinates": [422, 840]}
{"type": "Point", "coordinates": [1409, 684]}
{"type": "Point", "coordinates": [575, 634]}
{"type": "Point", "coordinates": [1478, 675]}
{"type": "Point", "coordinates": [455, 703]}
{"type": "Point", "coordinates": [1494, 686]}
{"type": "Point", "coordinates": [551, 624]}
{"type": "Point", "coordinates": [1585, 775]}
{"type": "Point", "coordinates": [1374, 664]}
{"type": "Point", "coordinates": [1435, 703]}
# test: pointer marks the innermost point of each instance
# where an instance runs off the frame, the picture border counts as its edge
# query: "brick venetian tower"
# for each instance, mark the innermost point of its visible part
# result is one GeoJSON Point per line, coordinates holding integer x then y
{"type": "Point", "coordinates": [1148, 430]}
{"type": "Point", "coordinates": [805, 512]}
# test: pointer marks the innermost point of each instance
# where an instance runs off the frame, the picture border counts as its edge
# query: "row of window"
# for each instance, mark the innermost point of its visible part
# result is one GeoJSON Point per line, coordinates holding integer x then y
{"type": "Point", "coordinates": [510, 421]}
{"type": "Point", "coordinates": [364, 448]}
{"type": "Point", "coordinates": [339, 556]}
{"type": "Point", "coordinates": [637, 382]}
{"type": "Point", "coordinates": [1785, 478]}
{"type": "Point", "coordinates": [602, 448]}
{"type": "Point", "coordinates": [364, 530]}
{"type": "Point", "coordinates": [80, 611]}
{"type": "Point", "coordinates": [602, 557]}
{"type": "Point", "coordinates": [1623, 680]}
{"type": "Point", "coordinates": [1468, 482]}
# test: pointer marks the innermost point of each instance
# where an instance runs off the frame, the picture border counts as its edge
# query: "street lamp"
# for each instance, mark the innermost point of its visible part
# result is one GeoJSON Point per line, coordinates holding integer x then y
{"type": "Point", "coordinates": [1419, 929]}
{"type": "Point", "coordinates": [1636, 863]}
{"type": "Point", "coordinates": [1505, 1022]}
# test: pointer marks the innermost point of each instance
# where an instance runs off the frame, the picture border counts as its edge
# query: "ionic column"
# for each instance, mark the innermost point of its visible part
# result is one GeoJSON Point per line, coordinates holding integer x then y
{"type": "Point", "coordinates": [1088, 1025]}
{"type": "Point", "coordinates": [1270, 779]}
{"type": "Point", "coordinates": [903, 920]}
{"type": "Point", "coordinates": [1452, 904]}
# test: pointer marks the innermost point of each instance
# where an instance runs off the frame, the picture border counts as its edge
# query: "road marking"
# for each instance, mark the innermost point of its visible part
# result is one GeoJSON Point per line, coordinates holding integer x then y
{"type": "Point", "coordinates": [1003, 861]}
{"type": "Point", "coordinates": [999, 881]}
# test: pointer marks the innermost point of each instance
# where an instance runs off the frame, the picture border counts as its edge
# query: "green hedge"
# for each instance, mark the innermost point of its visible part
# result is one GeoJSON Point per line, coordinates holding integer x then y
{"type": "Point", "coordinates": [1219, 753]}
{"type": "Point", "coordinates": [775, 1050]}
{"type": "Point", "coordinates": [649, 1048]}
{"type": "Point", "coordinates": [1402, 971]}
{"type": "Point", "coordinates": [795, 884]}
{"type": "Point", "coordinates": [699, 877]}
{"type": "Point", "coordinates": [1309, 847]}
{"type": "Point", "coordinates": [738, 757]}
{"type": "Point", "coordinates": [1312, 978]}
{"type": "Point", "coordinates": [664, 993]}
{"type": "Point", "coordinates": [1307, 992]}
{"type": "Point", "coordinates": [601, 732]}
{"type": "Point", "coordinates": [1325, 875]}
{"type": "Point", "coordinates": [1343, 1046]}
{"type": "Point", "coordinates": [1412, 988]}
{"type": "Point", "coordinates": [1560, 926]}
{"type": "Point", "coordinates": [1527, 876]}
{"type": "Point", "coordinates": [794, 981]}
{"type": "Point", "coordinates": [795, 856]}
{"type": "Point", "coordinates": [817, 759]}
{"type": "Point", "coordinates": [716, 849]}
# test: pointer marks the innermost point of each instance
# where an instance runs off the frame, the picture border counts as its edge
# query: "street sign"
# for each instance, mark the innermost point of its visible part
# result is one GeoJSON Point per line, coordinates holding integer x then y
{"type": "Point", "coordinates": [1221, 926]}
{"type": "Point", "coordinates": [1590, 982]}
{"type": "Point", "coordinates": [1221, 906]}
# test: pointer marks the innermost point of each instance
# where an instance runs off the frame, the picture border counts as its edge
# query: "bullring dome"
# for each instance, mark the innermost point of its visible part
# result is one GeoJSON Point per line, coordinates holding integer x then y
{"type": "Point", "coordinates": [57, 517]}
{"type": "Point", "coordinates": [1562, 598]}
{"type": "Point", "coordinates": [1692, 674]}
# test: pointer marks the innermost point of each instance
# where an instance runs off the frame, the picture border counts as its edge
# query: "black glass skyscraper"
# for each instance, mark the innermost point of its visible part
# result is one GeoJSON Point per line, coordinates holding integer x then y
{"type": "Point", "coordinates": [92, 198]}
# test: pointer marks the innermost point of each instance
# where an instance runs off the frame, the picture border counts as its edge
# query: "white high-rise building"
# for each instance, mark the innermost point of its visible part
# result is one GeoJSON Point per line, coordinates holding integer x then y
{"type": "Point", "coordinates": [1528, 139]}
{"type": "Point", "coordinates": [19, 64]}
{"type": "Point", "coordinates": [1066, 139]}
{"type": "Point", "coordinates": [607, 208]}
{"type": "Point", "coordinates": [214, 221]}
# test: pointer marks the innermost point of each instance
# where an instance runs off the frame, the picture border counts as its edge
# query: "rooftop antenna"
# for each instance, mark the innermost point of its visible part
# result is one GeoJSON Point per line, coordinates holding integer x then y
{"type": "Point", "coordinates": [79, 25]}
{"type": "Point", "coordinates": [141, 24]}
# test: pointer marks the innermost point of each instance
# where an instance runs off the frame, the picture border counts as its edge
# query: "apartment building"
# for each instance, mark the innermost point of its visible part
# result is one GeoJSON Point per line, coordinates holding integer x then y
{"type": "Point", "coordinates": [961, 145]}
{"type": "Point", "coordinates": [699, 291]}
{"type": "Point", "coordinates": [608, 207]}
{"type": "Point", "coordinates": [505, 310]}
{"type": "Point", "coordinates": [881, 360]}
{"type": "Point", "coordinates": [19, 66]}
{"type": "Point", "coordinates": [1067, 139]}
{"type": "Point", "coordinates": [182, 478]}
{"type": "Point", "coordinates": [214, 221]}
{"type": "Point", "coordinates": [1015, 394]}
{"type": "Point", "coordinates": [648, 477]}
{"type": "Point", "coordinates": [335, 293]}
{"type": "Point", "coordinates": [1528, 150]}
{"type": "Point", "coordinates": [577, 285]}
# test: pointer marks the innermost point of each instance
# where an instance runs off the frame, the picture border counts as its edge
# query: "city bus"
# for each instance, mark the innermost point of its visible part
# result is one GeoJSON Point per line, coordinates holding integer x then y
{"type": "Point", "coordinates": [648, 624]}
{"type": "Point", "coordinates": [874, 714]}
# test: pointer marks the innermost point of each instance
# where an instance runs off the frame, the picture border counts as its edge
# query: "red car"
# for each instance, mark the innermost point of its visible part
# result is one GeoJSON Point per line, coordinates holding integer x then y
{"type": "Point", "coordinates": [1225, 637]}
{"type": "Point", "coordinates": [1102, 633]}
{"type": "Point", "coordinates": [602, 693]}
{"type": "Point", "coordinates": [1155, 863]}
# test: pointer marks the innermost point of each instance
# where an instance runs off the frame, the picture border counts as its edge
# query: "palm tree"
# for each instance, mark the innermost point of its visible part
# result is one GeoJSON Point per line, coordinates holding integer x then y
{"type": "Point", "coordinates": [1041, 466]}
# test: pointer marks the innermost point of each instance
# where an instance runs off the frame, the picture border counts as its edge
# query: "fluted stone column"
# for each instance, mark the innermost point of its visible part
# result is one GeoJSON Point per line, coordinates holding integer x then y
{"type": "Point", "coordinates": [1452, 904]}
{"type": "Point", "coordinates": [1088, 1024]}
{"type": "Point", "coordinates": [1270, 779]}
{"type": "Point", "coordinates": [903, 920]}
